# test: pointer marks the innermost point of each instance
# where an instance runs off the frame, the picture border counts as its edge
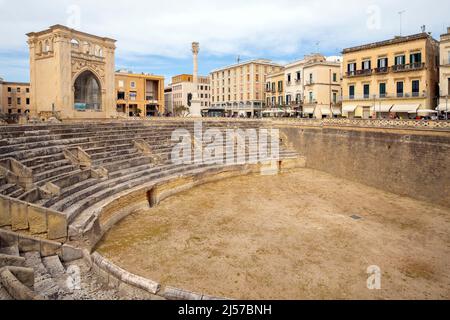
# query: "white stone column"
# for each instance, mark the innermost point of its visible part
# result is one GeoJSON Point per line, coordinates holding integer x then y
{"type": "Point", "coordinates": [195, 108]}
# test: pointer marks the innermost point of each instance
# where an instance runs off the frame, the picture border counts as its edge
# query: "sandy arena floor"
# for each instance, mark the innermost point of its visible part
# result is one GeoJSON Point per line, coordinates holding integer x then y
{"type": "Point", "coordinates": [288, 237]}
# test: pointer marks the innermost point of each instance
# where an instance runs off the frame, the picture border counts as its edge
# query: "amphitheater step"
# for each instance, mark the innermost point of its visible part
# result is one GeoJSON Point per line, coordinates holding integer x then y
{"type": "Point", "coordinates": [66, 192]}
{"type": "Point", "coordinates": [59, 176]}
{"type": "Point", "coordinates": [117, 157]}
{"type": "Point", "coordinates": [43, 159]}
{"type": "Point", "coordinates": [123, 164]}
{"type": "Point", "coordinates": [44, 284]}
{"type": "Point", "coordinates": [10, 251]}
{"type": "Point", "coordinates": [8, 188]}
{"type": "Point", "coordinates": [50, 165]}
{"type": "Point", "coordinates": [16, 193]}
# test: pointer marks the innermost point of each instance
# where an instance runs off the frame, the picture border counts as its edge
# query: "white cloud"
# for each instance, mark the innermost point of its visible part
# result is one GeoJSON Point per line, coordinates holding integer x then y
{"type": "Point", "coordinates": [223, 27]}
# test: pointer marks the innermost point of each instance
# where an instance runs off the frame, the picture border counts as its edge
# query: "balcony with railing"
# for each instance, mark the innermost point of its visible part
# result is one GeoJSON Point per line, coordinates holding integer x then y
{"type": "Point", "coordinates": [445, 62]}
{"type": "Point", "coordinates": [386, 96]}
{"type": "Point", "coordinates": [408, 67]}
{"type": "Point", "coordinates": [381, 70]}
{"type": "Point", "coordinates": [358, 73]}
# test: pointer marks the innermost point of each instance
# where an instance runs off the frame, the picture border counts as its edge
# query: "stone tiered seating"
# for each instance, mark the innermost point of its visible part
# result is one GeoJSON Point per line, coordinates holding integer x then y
{"type": "Point", "coordinates": [110, 147]}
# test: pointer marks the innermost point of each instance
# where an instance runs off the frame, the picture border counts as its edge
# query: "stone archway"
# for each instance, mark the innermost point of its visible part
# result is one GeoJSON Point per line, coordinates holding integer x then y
{"type": "Point", "coordinates": [87, 92]}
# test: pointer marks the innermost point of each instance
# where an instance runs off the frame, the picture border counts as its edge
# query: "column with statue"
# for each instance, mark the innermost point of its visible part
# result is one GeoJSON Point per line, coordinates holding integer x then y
{"type": "Point", "coordinates": [194, 104]}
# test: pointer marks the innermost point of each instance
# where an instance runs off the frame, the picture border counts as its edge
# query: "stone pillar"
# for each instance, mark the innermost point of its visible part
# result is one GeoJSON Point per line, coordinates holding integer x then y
{"type": "Point", "coordinates": [195, 108]}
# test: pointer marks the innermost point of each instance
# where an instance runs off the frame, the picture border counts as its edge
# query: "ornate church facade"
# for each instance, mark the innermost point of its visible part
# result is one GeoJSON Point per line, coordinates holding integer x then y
{"type": "Point", "coordinates": [72, 74]}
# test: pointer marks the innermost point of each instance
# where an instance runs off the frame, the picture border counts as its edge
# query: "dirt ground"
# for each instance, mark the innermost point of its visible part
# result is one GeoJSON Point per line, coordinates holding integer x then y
{"type": "Point", "coordinates": [289, 236]}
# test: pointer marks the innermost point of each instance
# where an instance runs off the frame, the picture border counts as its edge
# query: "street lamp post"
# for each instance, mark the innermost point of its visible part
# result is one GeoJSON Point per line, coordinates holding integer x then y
{"type": "Point", "coordinates": [375, 105]}
{"type": "Point", "coordinates": [446, 107]}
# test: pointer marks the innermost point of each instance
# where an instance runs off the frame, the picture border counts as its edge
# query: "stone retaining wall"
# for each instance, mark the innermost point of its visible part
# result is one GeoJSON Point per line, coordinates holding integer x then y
{"type": "Point", "coordinates": [21, 215]}
{"type": "Point", "coordinates": [411, 163]}
{"type": "Point", "coordinates": [119, 278]}
{"type": "Point", "coordinates": [46, 248]}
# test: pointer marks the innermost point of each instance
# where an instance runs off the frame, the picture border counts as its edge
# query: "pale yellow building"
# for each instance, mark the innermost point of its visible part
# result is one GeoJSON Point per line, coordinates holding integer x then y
{"type": "Point", "coordinates": [311, 87]}
{"type": "Point", "coordinates": [444, 81]}
{"type": "Point", "coordinates": [322, 87]}
{"type": "Point", "coordinates": [183, 85]}
{"type": "Point", "coordinates": [239, 89]}
{"type": "Point", "coordinates": [275, 94]}
{"type": "Point", "coordinates": [72, 74]}
{"type": "Point", "coordinates": [139, 94]}
{"type": "Point", "coordinates": [15, 97]}
{"type": "Point", "coordinates": [390, 78]}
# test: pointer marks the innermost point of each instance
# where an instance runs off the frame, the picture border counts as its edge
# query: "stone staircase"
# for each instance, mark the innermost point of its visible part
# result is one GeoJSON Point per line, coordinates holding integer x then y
{"type": "Point", "coordinates": [33, 275]}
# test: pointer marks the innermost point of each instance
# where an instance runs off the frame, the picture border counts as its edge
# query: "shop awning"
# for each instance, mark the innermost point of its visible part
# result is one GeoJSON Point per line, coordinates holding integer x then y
{"type": "Point", "coordinates": [426, 111]}
{"type": "Point", "coordinates": [444, 107]}
{"type": "Point", "coordinates": [350, 108]}
{"type": "Point", "coordinates": [381, 108]}
{"type": "Point", "coordinates": [326, 111]}
{"type": "Point", "coordinates": [337, 112]}
{"type": "Point", "coordinates": [308, 110]}
{"type": "Point", "coordinates": [406, 108]}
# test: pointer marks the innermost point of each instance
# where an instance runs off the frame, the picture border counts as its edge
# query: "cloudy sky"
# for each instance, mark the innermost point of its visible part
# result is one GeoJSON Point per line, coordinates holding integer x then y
{"type": "Point", "coordinates": [155, 36]}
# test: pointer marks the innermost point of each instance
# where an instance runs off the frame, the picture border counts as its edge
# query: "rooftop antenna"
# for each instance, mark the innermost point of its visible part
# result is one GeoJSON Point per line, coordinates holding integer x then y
{"type": "Point", "coordinates": [400, 13]}
{"type": "Point", "coordinates": [317, 46]}
{"type": "Point", "coordinates": [238, 59]}
{"type": "Point", "coordinates": [423, 28]}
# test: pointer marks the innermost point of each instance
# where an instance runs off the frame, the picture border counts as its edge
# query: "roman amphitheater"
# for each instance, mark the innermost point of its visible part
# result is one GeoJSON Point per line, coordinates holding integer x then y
{"type": "Point", "coordinates": [99, 210]}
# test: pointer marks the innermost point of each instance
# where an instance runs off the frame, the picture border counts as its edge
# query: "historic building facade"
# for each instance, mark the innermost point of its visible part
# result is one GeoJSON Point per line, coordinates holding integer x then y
{"type": "Point", "coordinates": [239, 89]}
{"type": "Point", "coordinates": [397, 77]}
{"type": "Point", "coordinates": [444, 78]}
{"type": "Point", "coordinates": [71, 74]}
{"type": "Point", "coordinates": [311, 87]}
{"type": "Point", "coordinates": [183, 85]}
{"type": "Point", "coordinates": [168, 101]}
{"type": "Point", "coordinates": [275, 94]}
{"type": "Point", "coordinates": [322, 87]}
{"type": "Point", "coordinates": [139, 95]}
{"type": "Point", "coordinates": [15, 97]}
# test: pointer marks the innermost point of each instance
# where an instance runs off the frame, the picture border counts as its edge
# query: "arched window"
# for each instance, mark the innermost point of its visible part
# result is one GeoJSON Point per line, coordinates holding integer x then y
{"type": "Point", "coordinates": [87, 95]}
{"type": "Point", "coordinates": [75, 44]}
{"type": "Point", "coordinates": [47, 46]}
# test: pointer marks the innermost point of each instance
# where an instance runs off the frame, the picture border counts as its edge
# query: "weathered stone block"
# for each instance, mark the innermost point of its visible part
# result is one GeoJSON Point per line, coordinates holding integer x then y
{"type": "Point", "coordinates": [70, 253]}
{"type": "Point", "coordinates": [37, 219]}
{"type": "Point", "coordinates": [7, 260]}
{"type": "Point", "coordinates": [50, 248]}
{"type": "Point", "coordinates": [28, 244]}
{"type": "Point", "coordinates": [5, 212]}
{"type": "Point", "coordinates": [171, 293]}
{"type": "Point", "coordinates": [56, 225]}
{"type": "Point", "coordinates": [19, 215]}
{"type": "Point", "coordinates": [8, 238]}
